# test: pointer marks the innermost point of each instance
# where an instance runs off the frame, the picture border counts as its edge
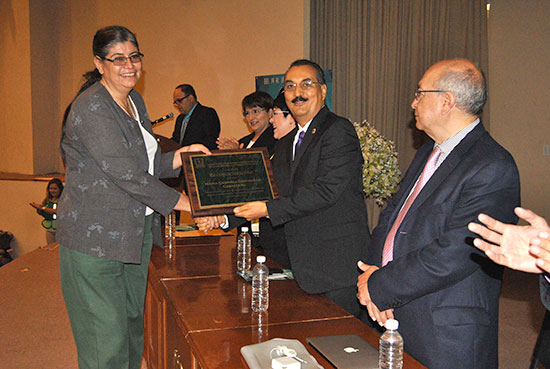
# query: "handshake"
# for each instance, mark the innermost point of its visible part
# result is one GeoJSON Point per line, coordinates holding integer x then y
{"type": "Point", "coordinates": [209, 223]}
{"type": "Point", "coordinates": [249, 211]}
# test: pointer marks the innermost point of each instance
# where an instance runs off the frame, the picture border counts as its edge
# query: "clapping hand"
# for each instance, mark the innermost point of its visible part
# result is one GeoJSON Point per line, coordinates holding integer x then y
{"type": "Point", "coordinates": [524, 248]}
{"type": "Point", "coordinates": [228, 143]}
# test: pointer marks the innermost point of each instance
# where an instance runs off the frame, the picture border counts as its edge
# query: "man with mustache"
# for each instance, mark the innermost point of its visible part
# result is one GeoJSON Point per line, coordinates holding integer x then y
{"type": "Point", "coordinates": [321, 204]}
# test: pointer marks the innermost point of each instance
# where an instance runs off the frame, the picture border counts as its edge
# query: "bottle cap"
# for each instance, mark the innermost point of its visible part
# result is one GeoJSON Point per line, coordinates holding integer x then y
{"type": "Point", "coordinates": [244, 229]}
{"type": "Point", "coordinates": [260, 259]}
{"type": "Point", "coordinates": [391, 324]}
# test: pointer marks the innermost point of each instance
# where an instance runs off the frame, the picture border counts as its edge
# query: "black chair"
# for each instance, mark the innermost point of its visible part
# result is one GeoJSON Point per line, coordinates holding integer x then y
{"type": "Point", "coordinates": [5, 242]}
{"type": "Point", "coordinates": [541, 353]}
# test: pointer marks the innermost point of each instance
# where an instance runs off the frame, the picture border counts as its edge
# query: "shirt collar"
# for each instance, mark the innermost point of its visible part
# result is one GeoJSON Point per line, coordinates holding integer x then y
{"type": "Point", "coordinates": [304, 128]}
{"type": "Point", "coordinates": [192, 110]}
{"type": "Point", "coordinates": [449, 144]}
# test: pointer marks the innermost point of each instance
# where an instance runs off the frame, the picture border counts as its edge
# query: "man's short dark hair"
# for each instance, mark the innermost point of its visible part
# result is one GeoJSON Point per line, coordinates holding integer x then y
{"type": "Point", "coordinates": [258, 99]}
{"type": "Point", "coordinates": [187, 90]}
{"type": "Point", "coordinates": [318, 69]}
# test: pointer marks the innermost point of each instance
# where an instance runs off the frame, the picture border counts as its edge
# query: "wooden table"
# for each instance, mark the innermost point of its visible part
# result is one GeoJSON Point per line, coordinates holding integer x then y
{"type": "Point", "coordinates": [222, 302]}
{"type": "Point", "coordinates": [198, 310]}
{"type": "Point", "coordinates": [226, 353]}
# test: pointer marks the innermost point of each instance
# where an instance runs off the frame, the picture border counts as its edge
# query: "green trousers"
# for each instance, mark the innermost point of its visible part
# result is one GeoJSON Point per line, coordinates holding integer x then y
{"type": "Point", "coordinates": [105, 300]}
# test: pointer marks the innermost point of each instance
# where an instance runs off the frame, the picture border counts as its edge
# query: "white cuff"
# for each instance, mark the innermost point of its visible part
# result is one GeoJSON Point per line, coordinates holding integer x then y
{"type": "Point", "coordinates": [225, 223]}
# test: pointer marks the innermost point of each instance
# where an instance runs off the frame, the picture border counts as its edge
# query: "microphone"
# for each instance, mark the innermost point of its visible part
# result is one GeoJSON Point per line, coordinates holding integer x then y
{"type": "Point", "coordinates": [162, 119]}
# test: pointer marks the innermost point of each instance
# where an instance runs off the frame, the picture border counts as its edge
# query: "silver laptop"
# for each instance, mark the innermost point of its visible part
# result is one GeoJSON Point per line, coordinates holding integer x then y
{"type": "Point", "coordinates": [346, 351]}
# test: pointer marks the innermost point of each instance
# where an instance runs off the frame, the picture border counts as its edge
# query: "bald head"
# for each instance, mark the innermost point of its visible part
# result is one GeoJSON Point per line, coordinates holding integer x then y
{"type": "Point", "coordinates": [466, 81]}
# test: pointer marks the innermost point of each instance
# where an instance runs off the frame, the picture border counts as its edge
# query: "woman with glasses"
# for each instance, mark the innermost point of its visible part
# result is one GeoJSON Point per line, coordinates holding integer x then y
{"type": "Point", "coordinates": [271, 240]}
{"type": "Point", "coordinates": [282, 121]}
{"type": "Point", "coordinates": [257, 110]}
{"type": "Point", "coordinates": [108, 215]}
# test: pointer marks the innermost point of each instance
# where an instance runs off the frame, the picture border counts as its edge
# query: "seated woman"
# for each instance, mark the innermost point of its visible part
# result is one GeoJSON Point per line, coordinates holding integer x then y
{"type": "Point", "coordinates": [271, 239]}
{"type": "Point", "coordinates": [257, 110]}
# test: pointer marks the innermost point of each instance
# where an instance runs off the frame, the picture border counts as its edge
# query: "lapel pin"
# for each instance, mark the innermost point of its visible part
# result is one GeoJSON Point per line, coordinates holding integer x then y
{"type": "Point", "coordinates": [313, 131]}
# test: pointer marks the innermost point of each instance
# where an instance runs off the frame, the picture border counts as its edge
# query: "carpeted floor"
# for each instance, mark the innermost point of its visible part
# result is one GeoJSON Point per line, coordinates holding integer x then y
{"type": "Point", "coordinates": [521, 315]}
{"type": "Point", "coordinates": [34, 327]}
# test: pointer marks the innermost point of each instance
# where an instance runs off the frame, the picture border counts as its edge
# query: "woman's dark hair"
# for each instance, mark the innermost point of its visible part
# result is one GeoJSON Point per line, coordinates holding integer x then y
{"type": "Point", "coordinates": [258, 99]}
{"type": "Point", "coordinates": [104, 39]}
{"type": "Point", "coordinates": [59, 184]}
{"type": "Point", "coordinates": [280, 103]}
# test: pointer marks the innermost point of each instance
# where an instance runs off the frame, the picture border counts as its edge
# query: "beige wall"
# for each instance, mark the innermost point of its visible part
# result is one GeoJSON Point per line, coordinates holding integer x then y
{"type": "Point", "coordinates": [16, 148]}
{"type": "Point", "coordinates": [18, 217]}
{"type": "Point", "coordinates": [45, 20]}
{"type": "Point", "coordinates": [519, 58]}
{"type": "Point", "coordinates": [217, 46]}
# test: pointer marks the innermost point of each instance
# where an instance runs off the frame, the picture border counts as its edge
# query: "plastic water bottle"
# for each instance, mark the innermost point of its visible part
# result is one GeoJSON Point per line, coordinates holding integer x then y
{"type": "Point", "coordinates": [260, 285]}
{"type": "Point", "coordinates": [243, 250]}
{"type": "Point", "coordinates": [390, 353]}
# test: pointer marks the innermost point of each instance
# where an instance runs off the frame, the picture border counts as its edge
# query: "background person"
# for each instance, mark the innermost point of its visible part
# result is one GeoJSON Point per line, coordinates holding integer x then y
{"type": "Point", "coordinates": [257, 110]}
{"type": "Point", "coordinates": [48, 208]}
{"type": "Point", "coordinates": [424, 269]}
{"type": "Point", "coordinates": [271, 240]}
{"type": "Point", "coordinates": [282, 121]}
{"type": "Point", "coordinates": [196, 124]}
{"type": "Point", "coordinates": [108, 214]}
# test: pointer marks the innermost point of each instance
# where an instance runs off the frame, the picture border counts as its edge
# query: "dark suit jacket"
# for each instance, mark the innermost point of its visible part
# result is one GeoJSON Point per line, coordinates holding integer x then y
{"type": "Point", "coordinates": [107, 185]}
{"type": "Point", "coordinates": [266, 139]}
{"type": "Point", "coordinates": [266, 242]}
{"type": "Point", "coordinates": [545, 292]}
{"type": "Point", "coordinates": [321, 203]}
{"type": "Point", "coordinates": [445, 292]}
{"type": "Point", "coordinates": [272, 239]}
{"type": "Point", "coordinates": [203, 127]}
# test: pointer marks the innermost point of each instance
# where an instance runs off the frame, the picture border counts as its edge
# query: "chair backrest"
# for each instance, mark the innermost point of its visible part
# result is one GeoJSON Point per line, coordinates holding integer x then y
{"type": "Point", "coordinates": [5, 240]}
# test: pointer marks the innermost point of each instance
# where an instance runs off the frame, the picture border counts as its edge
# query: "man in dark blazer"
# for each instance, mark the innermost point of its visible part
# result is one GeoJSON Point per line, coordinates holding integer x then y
{"type": "Point", "coordinates": [545, 292]}
{"type": "Point", "coordinates": [321, 202]}
{"type": "Point", "coordinates": [424, 269]}
{"type": "Point", "coordinates": [196, 123]}
{"type": "Point", "coordinates": [524, 248]}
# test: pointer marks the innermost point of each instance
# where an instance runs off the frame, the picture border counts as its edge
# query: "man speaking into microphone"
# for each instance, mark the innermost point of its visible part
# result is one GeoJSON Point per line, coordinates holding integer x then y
{"type": "Point", "coordinates": [196, 123]}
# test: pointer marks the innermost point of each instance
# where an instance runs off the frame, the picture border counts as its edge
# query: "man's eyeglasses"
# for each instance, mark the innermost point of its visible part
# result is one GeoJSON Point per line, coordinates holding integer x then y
{"type": "Point", "coordinates": [304, 85]}
{"type": "Point", "coordinates": [177, 101]}
{"type": "Point", "coordinates": [253, 111]}
{"type": "Point", "coordinates": [418, 93]}
{"type": "Point", "coordinates": [121, 61]}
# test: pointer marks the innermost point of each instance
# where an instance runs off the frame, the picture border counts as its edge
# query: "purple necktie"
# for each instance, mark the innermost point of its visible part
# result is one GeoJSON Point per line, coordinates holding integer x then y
{"type": "Point", "coordinates": [429, 169]}
{"type": "Point", "coordinates": [299, 142]}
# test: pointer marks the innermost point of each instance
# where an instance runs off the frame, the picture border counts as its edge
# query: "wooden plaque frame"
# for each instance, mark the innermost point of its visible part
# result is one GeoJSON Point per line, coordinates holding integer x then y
{"type": "Point", "coordinates": [237, 177]}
